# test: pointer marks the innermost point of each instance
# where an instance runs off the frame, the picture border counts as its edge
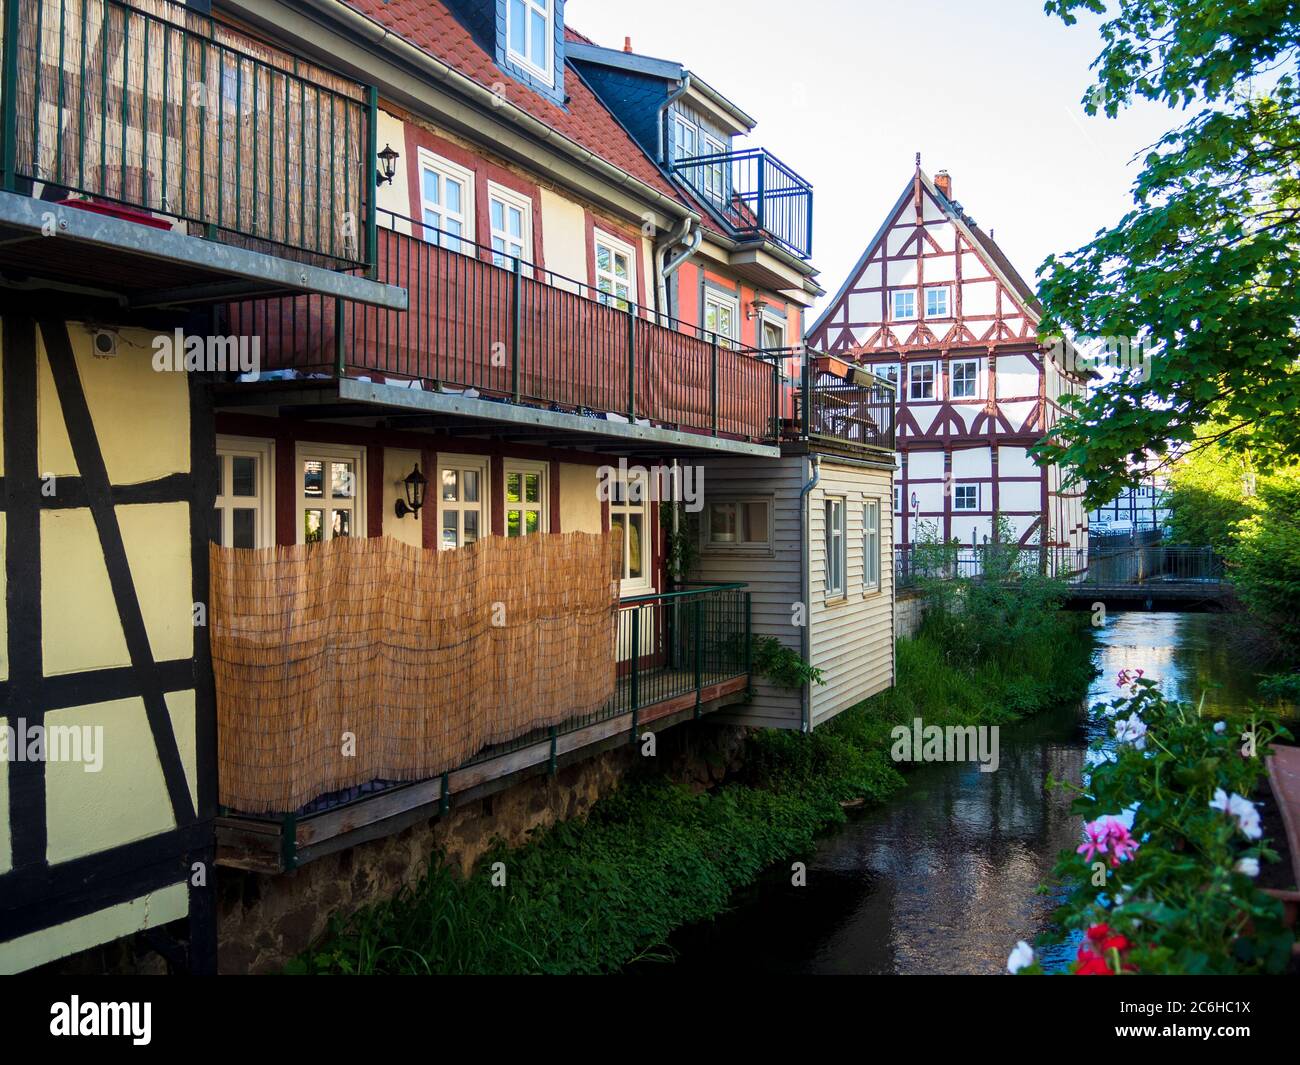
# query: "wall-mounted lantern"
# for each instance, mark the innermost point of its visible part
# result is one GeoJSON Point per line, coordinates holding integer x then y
{"type": "Point", "coordinates": [757, 307]}
{"type": "Point", "coordinates": [387, 165]}
{"type": "Point", "coordinates": [415, 484]}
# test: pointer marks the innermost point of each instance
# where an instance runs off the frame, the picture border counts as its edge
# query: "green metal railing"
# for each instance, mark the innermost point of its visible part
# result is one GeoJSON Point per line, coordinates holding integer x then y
{"type": "Point", "coordinates": [171, 112]}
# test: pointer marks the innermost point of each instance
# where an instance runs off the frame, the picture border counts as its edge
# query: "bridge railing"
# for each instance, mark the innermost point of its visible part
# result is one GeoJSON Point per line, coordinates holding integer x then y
{"type": "Point", "coordinates": [1153, 563]}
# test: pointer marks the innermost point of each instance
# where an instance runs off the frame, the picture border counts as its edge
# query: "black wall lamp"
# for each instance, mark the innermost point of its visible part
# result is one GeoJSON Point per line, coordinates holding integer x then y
{"type": "Point", "coordinates": [387, 165]}
{"type": "Point", "coordinates": [415, 483]}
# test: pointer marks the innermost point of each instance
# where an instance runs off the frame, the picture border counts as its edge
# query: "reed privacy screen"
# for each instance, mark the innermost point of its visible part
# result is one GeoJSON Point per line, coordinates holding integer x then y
{"type": "Point", "coordinates": [424, 657]}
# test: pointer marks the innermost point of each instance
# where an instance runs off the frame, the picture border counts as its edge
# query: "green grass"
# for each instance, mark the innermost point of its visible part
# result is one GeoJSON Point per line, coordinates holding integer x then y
{"type": "Point", "coordinates": [592, 895]}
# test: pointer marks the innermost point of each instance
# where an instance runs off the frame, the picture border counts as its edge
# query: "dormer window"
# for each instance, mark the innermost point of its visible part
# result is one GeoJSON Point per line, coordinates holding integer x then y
{"type": "Point", "coordinates": [530, 36]}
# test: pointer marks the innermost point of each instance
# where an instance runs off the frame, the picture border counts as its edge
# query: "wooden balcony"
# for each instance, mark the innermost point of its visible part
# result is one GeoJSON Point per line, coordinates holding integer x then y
{"type": "Point", "coordinates": [680, 655]}
{"type": "Point", "coordinates": [491, 336]}
{"type": "Point", "coordinates": [134, 126]}
{"type": "Point", "coordinates": [839, 403]}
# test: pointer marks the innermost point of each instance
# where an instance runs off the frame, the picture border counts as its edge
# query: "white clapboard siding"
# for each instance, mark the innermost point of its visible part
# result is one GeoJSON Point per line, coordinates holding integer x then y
{"type": "Point", "coordinates": [853, 636]}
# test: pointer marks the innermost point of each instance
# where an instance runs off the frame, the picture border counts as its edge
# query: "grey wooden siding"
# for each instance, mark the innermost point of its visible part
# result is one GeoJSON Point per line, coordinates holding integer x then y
{"type": "Point", "coordinates": [772, 576]}
{"type": "Point", "coordinates": [852, 637]}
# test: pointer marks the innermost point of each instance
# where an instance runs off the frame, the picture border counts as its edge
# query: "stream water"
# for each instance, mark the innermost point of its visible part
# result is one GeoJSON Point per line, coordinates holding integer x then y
{"type": "Point", "coordinates": [944, 878]}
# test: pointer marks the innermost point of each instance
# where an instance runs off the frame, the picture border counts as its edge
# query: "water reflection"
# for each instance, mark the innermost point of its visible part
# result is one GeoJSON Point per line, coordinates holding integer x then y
{"type": "Point", "coordinates": [944, 879]}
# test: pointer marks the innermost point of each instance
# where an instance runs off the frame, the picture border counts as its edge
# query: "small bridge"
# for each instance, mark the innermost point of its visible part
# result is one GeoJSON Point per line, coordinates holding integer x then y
{"type": "Point", "coordinates": [1151, 576]}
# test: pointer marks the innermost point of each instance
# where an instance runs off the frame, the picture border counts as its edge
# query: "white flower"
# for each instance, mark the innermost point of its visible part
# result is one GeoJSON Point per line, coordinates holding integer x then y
{"type": "Point", "coordinates": [1133, 731]}
{"type": "Point", "coordinates": [1240, 809]}
{"type": "Point", "coordinates": [1020, 957]}
{"type": "Point", "coordinates": [1249, 866]}
{"type": "Point", "coordinates": [1220, 727]}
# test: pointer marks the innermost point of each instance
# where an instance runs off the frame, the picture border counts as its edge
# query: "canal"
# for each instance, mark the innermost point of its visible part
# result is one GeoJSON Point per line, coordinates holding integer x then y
{"type": "Point", "coordinates": [944, 878]}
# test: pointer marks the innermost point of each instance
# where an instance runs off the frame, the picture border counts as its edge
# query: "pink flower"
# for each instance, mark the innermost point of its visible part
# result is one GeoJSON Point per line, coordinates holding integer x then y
{"type": "Point", "coordinates": [1128, 677]}
{"type": "Point", "coordinates": [1108, 835]}
{"type": "Point", "coordinates": [1095, 835]}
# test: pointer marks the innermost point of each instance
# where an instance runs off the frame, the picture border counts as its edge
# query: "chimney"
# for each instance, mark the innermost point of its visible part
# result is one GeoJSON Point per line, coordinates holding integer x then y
{"type": "Point", "coordinates": [627, 44]}
{"type": "Point", "coordinates": [943, 183]}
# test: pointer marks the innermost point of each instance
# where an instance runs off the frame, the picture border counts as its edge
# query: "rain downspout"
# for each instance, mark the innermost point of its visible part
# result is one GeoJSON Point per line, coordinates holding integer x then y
{"type": "Point", "coordinates": [683, 87]}
{"type": "Point", "coordinates": [665, 269]}
{"type": "Point", "coordinates": [805, 634]}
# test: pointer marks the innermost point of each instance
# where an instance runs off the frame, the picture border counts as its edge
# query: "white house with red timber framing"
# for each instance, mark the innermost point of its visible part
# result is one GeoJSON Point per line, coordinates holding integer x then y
{"type": "Point", "coordinates": [935, 305]}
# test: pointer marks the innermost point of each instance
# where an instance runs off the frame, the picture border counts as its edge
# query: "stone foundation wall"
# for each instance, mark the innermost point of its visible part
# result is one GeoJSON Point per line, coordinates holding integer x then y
{"type": "Point", "coordinates": [908, 608]}
{"type": "Point", "coordinates": [266, 920]}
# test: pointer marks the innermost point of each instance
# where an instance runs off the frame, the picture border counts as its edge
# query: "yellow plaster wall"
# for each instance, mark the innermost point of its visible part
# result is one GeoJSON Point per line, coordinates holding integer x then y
{"type": "Point", "coordinates": [125, 801]}
{"type": "Point", "coordinates": [564, 236]}
{"type": "Point", "coordinates": [398, 462]}
{"type": "Point", "coordinates": [157, 541]}
{"type": "Point", "coordinates": [579, 503]}
{"type": "Point", "coordinates": [149, 911]}
{"type": "Point", "coordinates": [80, 629]}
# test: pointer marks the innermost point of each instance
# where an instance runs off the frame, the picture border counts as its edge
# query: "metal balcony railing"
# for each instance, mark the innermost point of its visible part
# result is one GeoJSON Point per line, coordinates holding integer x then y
{"type": "Point", "coordinates": [841, 402]}
{"type": "Point", "coordinates": [755, 194]}
{"type": "Point", "coordinates": [480, 319]}
{"type": "Point", "coordinates": [152, 109]}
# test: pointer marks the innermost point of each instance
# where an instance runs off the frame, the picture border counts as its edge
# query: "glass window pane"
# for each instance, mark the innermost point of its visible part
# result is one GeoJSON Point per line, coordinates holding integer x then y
{"type": "Point", "coordinates": [312, 478]}
{"type": "Point", "coordinates": [243, 479]}
{"type": "Point", "coordinates": [342, 523]}
{"type": "Point", "coordinates": [513, 487]}
{"type": "Point", "coordinates": [452, 191]}
{"type": "Point", "coordinates": [533, 488]}
{"type": "Point", "coordinates": [471, 526]}
{"type": "Point", "coordinates": [635, 562]}
{"type": "Point", "coordinates": [449, 530]}
{"type": "Point", "coordinates": [516, 222]}
{"type": "Point", "coordinates": [245, 526]}
{"type": "Point", "coordinates": [498, 215]}
{"type": "Point", "coordinates": [342, 480]}
{"type": "Point", "coordinates": [532, 521]}
{"type": "Point", "coordinates": [432, 193]}
{"type": "Point", "coordinates": [313, 525]}
{"type": "Point", "coordinates": [514, 526]}
{"type": "Point", "coordinates": [471, 485]}
{"type": "Point", "coordinates": [602, 258]}
{"type": "Point", "coordinates": [518, 25]}
{"type": "Point", "coordinates": [538, 40]}
{"type": "Point", "coordinates": [756, 523]}
{"type": "Point", "coordinates": [722, 526]}
{"type": "Point", "coordinates": [449, 486]}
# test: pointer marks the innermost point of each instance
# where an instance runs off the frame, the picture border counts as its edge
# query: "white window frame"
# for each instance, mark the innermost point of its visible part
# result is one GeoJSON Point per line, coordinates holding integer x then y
{"type": "Point", "coordinates": [898, 499]}
{"type": "Point", "coordinates": [461, 464]}
{"type": "Point", "coordinates": [723, 301]}
{"type": "Point", "coordinates": [546, 8]}
{"type": "Point", "coordinates": [871, 541]}
{"type": "Point", "coordinates": [837, 548]}
{"type": "Point", "coordinates": [912, 368]}
{"type": "Point", "coordinates": [541, 508]}
{"type": "Point", "coordinates": [894, 295]}
{"type": "Point", "coordinates": [445, 168]}
{"type": "Point", "coordinates": [956, 495]}
{"type": "Point", "coordinates": [774, 320]}
{"type": "Point", "coordinates": [714, 178]}
{"type": "Point", "coordinates": [626, 506]}
{"type": "Point", "coordinates": [952, 378]}
{"type": "Point", "coordinates": [947, 301]}
{"type": "Point", "coordinates": [306, 451]}
{"type": "Point", "coordinates": [684, 129]}
{"type": "Point", "coordinates": [763, 546]}
{"type": "Point", "coordinates": [615, 246]}
{"type": "Point", "coordinates": [262, 502]}
{"type": "Point", "coordinates": [509, 198]}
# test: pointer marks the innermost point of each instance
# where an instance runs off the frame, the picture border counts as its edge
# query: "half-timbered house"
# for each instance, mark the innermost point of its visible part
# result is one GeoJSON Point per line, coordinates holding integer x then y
{"type": "Point", "coordinates": [341, 341]}
{"type": "Point", "coordinates": [936, 306]}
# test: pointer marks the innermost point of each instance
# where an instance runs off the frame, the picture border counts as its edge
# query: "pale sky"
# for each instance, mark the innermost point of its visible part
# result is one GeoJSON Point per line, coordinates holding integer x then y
{"type": "Point", "coordinates": [846, 92]}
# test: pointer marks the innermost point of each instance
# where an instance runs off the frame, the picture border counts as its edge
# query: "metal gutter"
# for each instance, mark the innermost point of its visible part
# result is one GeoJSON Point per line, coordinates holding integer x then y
{"type": "Point", "coordinates": [805, 566]}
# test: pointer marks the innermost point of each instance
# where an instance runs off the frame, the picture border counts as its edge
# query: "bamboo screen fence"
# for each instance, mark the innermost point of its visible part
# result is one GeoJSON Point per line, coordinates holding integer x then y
{"type": "Point", "coordinates": [424, 657]}
{"type": "Point", "coordinates": [156, 106]}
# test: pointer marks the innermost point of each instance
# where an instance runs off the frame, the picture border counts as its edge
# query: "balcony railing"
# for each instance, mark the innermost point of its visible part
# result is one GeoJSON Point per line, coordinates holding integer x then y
{"type": "Point", "coordinates": [483, 320]}
{"type": "Point", "coordinates": [841, 402]}
{"type": "Point", "coordinates": [755, 194]}
{"type": "Point", "coordinates": [150, 108]}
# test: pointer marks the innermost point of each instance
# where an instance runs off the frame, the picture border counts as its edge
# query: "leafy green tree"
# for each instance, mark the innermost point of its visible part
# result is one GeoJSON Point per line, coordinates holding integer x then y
{"type": "Point", "coordinates": [1210, 491]}
{"type": "Point", "coordinates": [1205, 270]}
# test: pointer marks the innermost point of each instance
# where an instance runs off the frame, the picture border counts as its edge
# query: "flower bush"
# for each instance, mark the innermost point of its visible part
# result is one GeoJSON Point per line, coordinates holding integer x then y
{"type": "Point", "coordinates": [1164, 879]}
